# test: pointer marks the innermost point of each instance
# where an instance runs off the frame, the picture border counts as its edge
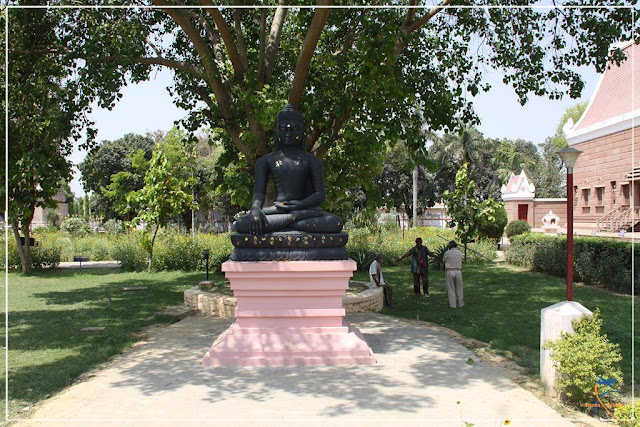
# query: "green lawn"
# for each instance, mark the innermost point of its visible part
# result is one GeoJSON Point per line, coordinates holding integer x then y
{"type": "Point", "coordinates": [47, 351]}
{"type": "Point", "coordinates": [503, 306]}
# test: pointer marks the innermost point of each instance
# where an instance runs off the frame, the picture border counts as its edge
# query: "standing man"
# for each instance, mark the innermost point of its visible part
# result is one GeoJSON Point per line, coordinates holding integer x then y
{"type": "Point", "coordinates": [377, 280]}
{"type": "Point", "coordinates": [419, 267]}
{"type": "Point", "coordinates": [452, 260]}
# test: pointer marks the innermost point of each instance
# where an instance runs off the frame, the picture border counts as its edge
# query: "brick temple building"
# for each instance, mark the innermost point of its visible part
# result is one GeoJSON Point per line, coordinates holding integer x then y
{"type": "Point", "coordinates": [607, 174]}
{"type": "Point", "coordinates": [520, 202]}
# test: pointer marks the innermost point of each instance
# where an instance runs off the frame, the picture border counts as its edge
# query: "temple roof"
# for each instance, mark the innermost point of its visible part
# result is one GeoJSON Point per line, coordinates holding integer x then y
{"type": "Point", "coordinates": [613, 102]}
{"type": "Point", "coordinates": [518, 188]}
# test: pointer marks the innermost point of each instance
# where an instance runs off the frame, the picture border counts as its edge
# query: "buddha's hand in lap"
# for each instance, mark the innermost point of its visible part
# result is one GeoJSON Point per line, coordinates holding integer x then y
{"type": "Point", "coordinates": [288, 206]}
{"type": "Point", "coordinates": [258, 221]}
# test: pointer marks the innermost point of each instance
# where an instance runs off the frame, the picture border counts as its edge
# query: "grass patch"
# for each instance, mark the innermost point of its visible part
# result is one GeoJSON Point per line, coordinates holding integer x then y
{"type": "Point", "coordinates": [502, 307]}
{"type": "Point", "coordinates": [47, 310]}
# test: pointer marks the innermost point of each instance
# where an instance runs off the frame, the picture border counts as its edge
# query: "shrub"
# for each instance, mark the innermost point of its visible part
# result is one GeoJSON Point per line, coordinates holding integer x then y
{"type": "Point", "coordinates": [129, 252]}
{"type": "Point", "coordinates": [177, 252]}
{"type": "Point", "coordinates": [623, 415]}
{"type": "Point", "coordinates": [583, 356]}
{"type": "Point", "coordinates": [75, 226]}
{"type": "Point", "coordinates": [97, 248]}
{"type": "Point", "coordinates": [517, 227]}
{"type": "Point", "coordinates": [597, 261]}
{"type": "Point", "coordinates": [113, 227]}
{"type": "Point", "coordinates": [495, 228]}
{"type": "Point", "coordinates": [46, 253]}
{"type": "Point", "coordinates": [219, 246]}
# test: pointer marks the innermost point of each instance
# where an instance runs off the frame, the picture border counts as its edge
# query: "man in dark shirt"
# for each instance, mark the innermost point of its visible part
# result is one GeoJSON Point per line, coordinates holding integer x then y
{"type": "Point", "coordinates": [419, 267]}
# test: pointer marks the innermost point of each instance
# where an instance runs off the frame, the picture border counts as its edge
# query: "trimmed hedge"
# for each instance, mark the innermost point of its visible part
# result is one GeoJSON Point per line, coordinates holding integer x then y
{"type": "Point", "coordinates": [597, 261]}
{"type": "Point", "coordinates": [517, 227]}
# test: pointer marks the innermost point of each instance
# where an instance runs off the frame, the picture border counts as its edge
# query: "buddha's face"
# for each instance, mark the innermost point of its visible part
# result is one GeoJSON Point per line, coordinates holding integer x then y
{"type": "Point", "coordinates": [289, 132]}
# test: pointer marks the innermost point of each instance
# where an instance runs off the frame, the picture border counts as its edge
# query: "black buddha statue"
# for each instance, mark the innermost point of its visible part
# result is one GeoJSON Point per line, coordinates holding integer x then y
{"type": "Point", "coordinates": [294, 227]}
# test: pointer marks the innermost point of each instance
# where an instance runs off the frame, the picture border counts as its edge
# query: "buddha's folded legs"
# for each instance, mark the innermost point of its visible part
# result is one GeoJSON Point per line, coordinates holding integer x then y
{"type": "Point", "coordinates": [327, 223]}
{"type": "Point", "coordinates": [309, 220]}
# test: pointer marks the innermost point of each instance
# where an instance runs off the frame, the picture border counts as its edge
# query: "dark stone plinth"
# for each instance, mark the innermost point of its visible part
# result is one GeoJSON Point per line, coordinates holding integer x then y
{"type": "Point", "coordinates": [289, 246]}
{"type": "Point", "coordinates": [289, 240]}
{"type": "Point", "coordinates": [284, 254]}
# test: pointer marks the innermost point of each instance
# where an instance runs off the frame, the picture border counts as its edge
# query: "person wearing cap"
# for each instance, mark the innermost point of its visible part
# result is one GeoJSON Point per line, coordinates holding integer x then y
{"type": "Point", "coordinates": [377, 280]}
{"type": "Point", "coordinates": [452, 260]}
{"type": "Point", "coordinates": [419, 267]}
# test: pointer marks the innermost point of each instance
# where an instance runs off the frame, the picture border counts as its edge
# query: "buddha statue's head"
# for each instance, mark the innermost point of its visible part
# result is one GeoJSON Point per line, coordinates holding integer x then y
{"type": "Point", "coordinates": [289, 128]}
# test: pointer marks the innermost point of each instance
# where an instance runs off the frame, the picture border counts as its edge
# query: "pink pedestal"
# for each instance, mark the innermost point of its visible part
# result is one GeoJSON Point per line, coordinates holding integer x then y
{"type": "Point", "coordinates": [289, 313]}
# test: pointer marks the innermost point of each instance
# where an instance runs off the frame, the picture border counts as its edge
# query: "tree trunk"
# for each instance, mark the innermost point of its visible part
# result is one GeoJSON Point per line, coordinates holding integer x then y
{"type": "Point", "coordinates": [23, 251]}
{"type": "Point", "coordinates": [415, 196]}
{"type": "Point", "coordinates": [153, 241]}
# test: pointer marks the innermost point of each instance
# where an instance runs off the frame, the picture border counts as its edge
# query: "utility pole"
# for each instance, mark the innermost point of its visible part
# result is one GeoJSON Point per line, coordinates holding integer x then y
{"type": "Point", "coordinates": [415, 196]}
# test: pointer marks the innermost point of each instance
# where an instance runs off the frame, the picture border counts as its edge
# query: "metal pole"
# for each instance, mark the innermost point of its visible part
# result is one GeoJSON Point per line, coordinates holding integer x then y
{"type": "Point", "coordinates": [569, 234]}
{"type": "Point", "coordinates": [207, 269]}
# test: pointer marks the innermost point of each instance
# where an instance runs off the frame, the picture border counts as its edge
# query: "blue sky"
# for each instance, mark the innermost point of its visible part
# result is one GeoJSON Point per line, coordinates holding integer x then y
{"type": "Point", "coordinates": [147, 106]}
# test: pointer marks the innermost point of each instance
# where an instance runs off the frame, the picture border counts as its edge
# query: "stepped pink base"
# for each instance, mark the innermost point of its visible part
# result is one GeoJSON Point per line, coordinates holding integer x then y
{"type": "Point", "coordinates": [289, 313]}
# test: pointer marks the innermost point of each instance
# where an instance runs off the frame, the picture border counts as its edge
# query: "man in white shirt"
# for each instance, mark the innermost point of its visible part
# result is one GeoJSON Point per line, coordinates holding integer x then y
{"type": "Point", "coordinates": [452, 260]}
{"type": "Point", "coordinates": [376, 280]}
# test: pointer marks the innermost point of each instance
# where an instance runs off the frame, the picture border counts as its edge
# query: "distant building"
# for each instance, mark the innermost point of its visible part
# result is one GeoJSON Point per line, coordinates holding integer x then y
{"type": "Point", "coordinates": [606, 188]}
{"type": "Point", "coordinates": [40, 214]}
{"type": "Point", "coordinates": [520, 202]}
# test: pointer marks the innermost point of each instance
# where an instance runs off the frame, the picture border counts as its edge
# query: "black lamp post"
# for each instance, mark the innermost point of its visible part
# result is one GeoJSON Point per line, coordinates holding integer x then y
{"type": "Point", "coordinates": [569, 155]}
{"type": "Point", "coordinates": [205, 255]}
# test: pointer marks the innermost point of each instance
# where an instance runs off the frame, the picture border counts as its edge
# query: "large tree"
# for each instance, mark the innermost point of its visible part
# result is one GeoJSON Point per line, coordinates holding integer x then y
{"type": "Point", "coordinates": [109, 158]}
{"type": "Point", "coordinates": [44, 114]}
{"type": "Point", "coordinates": [362, 77]}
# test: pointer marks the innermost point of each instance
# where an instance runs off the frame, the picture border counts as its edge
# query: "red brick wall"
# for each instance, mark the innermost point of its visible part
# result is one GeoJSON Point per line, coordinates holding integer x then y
{"type": "Point", "coordinates": [541, 208]}
{"type": "Point", "coordinates": [604, 159]}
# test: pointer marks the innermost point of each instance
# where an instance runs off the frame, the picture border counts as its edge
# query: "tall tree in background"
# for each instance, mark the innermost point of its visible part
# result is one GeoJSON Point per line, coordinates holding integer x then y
{"type": "Point", "coordinates": [107, 159]}
{"type": "Point", "coordinates": [358, 75]}
{"type": "Point", "coordinates": [551, 181]}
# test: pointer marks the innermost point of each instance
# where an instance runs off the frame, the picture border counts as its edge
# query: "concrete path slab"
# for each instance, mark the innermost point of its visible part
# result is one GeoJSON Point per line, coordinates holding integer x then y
{"type": "Point", "coordinates": [90, 264]}
{"type": "Point", "coordinates": [422, 378]}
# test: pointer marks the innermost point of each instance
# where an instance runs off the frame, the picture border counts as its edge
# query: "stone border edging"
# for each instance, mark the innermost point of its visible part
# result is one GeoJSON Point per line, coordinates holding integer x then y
{"type": "Point", "coordinates": [214, 304]}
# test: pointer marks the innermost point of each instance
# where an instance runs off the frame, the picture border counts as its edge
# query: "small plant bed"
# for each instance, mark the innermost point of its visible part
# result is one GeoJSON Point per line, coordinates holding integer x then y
{"type": "Point", "coordinates": [220, 287]}
{"type": "Point", "coordinates": [355, 287]}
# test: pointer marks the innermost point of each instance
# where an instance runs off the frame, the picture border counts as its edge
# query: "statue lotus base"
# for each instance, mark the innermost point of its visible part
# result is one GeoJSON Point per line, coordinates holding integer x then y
{"type": "Point", "coordinates": [289, 313]}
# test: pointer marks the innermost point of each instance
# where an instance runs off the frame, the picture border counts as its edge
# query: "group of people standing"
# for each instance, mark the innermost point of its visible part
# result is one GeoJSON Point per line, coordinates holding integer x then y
{"type": "Point", "coordinates": [452, 260]}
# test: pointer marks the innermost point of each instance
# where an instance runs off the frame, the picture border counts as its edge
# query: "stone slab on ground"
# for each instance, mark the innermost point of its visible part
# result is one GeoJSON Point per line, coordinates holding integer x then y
{"type": "Point", "coordinates": [178, 311]}
{"type": "Point", "coordinates": [420, 377]}
{"type": "Point", "coordinates": [92, 329]}
{"type": "Point", "coordinates": [134, 288]}
{"type": "Point", "coordinates": [90, 264]}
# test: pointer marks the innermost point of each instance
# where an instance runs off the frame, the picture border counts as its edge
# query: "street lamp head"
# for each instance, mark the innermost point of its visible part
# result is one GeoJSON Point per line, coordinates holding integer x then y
{"type": "Point", "coordinates": [569, 155]}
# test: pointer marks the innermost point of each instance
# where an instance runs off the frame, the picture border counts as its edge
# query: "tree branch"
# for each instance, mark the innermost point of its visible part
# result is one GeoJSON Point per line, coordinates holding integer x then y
{"type": "Point", "coordinates": [214, 37]}
{"type": "Point", "coordinates": [271, 49]}
{"type": "Point", "coordinates": [194, 35]}
{"type": "Point", "coordinates": [335, 129]}
{"type": "Point", "coordinates": [177, 65]}
{"type": "Point", "coordinates": [225, 33]}
{"type": "Point", "coordinates": [242, 48]}
{"type": "Point", "coordinates": [263, 29]}
{"type": "Point", "coordinates": [309, 46]}
{"type": "Point", "coordinates": [410, 26]}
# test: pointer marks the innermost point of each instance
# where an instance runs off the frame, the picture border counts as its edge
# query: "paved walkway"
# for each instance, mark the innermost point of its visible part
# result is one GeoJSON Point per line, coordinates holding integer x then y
{"type": "Point", "coordinates": [422, 378]}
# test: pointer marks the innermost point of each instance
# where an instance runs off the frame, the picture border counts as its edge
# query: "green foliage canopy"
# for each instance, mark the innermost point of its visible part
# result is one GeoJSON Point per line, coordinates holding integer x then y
{"type": "Point", "coordinates": [361, 77]}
